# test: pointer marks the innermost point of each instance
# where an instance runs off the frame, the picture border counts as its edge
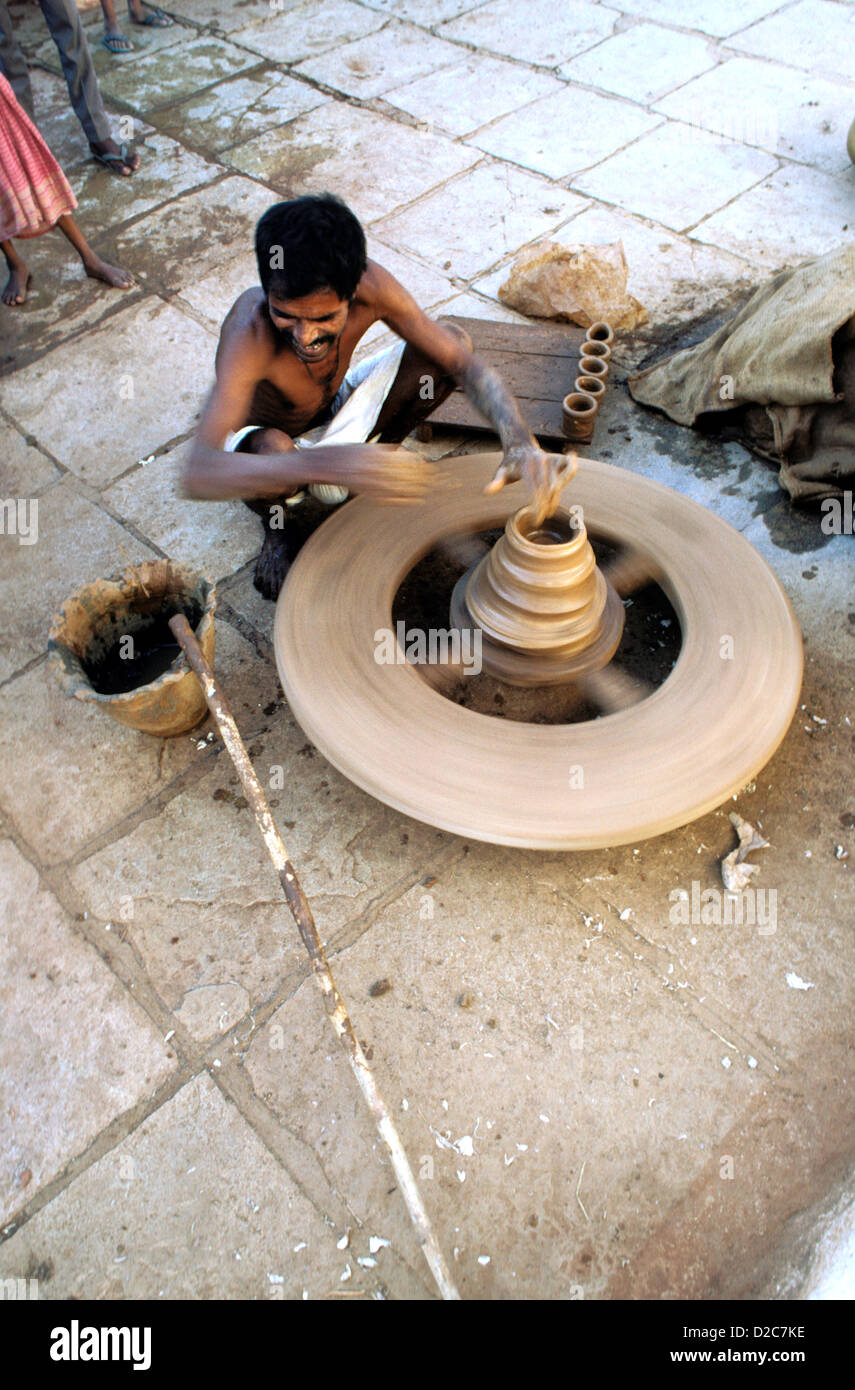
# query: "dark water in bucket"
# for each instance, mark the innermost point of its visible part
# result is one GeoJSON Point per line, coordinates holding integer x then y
{"type": "Point", "coordinates": [136, 652]}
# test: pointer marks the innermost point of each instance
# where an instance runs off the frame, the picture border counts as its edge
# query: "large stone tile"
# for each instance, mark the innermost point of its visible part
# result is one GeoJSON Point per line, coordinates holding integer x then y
{"type": "Point", "coordinates": [673, 277]}
{"type": "Point", "coordinates": [24, 470]}
{"type": "Point", "coordinates": [171, 74]}
{"type": "Point", "coordinates": [300, 31]}
{"type": "Point", "coordinates": [76, 1049]}
{"type": "Point", "coordinates": [476, 306]}
{"type": "Point", "coordinates": [786, 112]}
{"type": "Point", "coordinates": [214, 537]}
{"type": "Point", "coordinates": [414, 10]}
{"type": "Point", "coordinates": [643, 62]}
{"type": "Point", "coordinates": [479, 219]}
{"type": "Point", "coordinates": [213, 295]}
{"type": "Point", "coordinates": [76, 542]}
{"type": "Point", "coordinates": [79, 405]}
{"type": "Point", "coordinates": [208, 919]}
{"type": "Point", "coordinates": [28, 24]}
{"type": "Point", "coordinates": [599, 126]}
{"type": "Point", "coordinates": [816, 571]}
{"type": "Point", "coordinates": [63, 134]}
{"type": "Point", "coordinates": [375, 64]}
{"type": "Point", "coordinates": [542, 33]}
{"type": "Point", "coordinates": [147, 44]}
{"type": "Point", "coordinates": [471, 92]}
{"type": "Point", "coordinates": [538, 1045]}
{"type": "Point", "coordinates": [72, 773]}
{"type": "Point", "coordinates": [723, 477]}
{"type": "Point", "coordinates": [233, 111]}
{"type": "Point", "coordinates": [796, 213]}
{"type": "Point", "coordinates": [49, 90]}
{"type": "Point", "coordinates": [425, 283]}
{"type": "Point", "coordinates": [191, 1205]}
{"type": "Point", "coordinates": [240, 593]}
{"type": "Point", "coordinates": [166, 167]}
{"type": "Point", "coordinates": [193, 235]}
{"type": "Point", "coordinates": [226, 15]}
{"type": "Point", "coordinates": [814, 34]}
{"type": "Point", "coordinates": [333, 146]}
{"type": "Point", "coordinates": [716, 17]}
{"type": "Point", "coordinates": [737, 968]}
{"type": "Point", "coordinates": [676, 175]}
{"type": "Point", "coordinates": [145, 39]}
{"type": "Point", "coordinates": [62, 299]}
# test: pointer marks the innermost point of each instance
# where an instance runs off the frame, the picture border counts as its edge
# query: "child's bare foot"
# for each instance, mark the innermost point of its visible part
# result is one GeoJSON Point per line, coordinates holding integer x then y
{"type": "Point", "coordinates": [113, 275]}
{"type": "Point", "coordinates": [17, 286]}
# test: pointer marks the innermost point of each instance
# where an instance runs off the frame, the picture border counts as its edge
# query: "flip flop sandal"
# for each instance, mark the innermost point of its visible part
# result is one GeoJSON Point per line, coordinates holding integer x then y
{"type": "Point", "coordinates": [155, 19]}
{"type": "Point", "coordinates": [112, 160]}
{"type": "Point", "coordinates": [116, 43]}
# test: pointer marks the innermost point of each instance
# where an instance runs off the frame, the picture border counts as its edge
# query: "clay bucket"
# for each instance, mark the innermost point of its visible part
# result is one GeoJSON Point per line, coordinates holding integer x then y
{"type": "Point", "coordinates": [95, 619]}
{"type": "Point", "coordinates": [591, 386]}
{"type": "Point", "coordinates": [600, 332]}
{"type": "Point", "coordinates": [578, 413]}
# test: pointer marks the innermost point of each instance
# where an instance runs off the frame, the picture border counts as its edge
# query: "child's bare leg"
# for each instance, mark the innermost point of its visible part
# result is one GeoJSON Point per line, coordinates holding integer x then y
{"type": "Point", "coordinates": [15, 291]}
{"type": "Point", "coordinates": [92, 262]}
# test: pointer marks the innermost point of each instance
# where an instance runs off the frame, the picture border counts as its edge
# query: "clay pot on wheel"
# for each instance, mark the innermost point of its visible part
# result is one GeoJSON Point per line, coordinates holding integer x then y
{"type": "Point", "coordinates": [127, 616]}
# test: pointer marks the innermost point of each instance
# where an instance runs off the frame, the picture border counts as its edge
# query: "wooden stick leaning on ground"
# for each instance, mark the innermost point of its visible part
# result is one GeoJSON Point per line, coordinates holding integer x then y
{"type": "Point", "coordinates": [302, 914]}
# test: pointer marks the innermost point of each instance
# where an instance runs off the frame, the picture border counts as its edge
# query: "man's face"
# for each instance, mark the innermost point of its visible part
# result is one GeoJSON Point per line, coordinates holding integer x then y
{"type": "Point", "coordinates": [312, 324]}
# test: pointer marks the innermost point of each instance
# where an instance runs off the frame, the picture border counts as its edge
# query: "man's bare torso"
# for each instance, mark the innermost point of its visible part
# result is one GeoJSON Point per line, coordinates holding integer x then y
{"type": "Point", "coordinates": [290, 394]}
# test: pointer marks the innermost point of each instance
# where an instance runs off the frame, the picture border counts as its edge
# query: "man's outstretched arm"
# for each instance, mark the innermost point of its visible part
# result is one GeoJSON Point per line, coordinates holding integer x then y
{"type": "Point", "coordinates": [523, 459]}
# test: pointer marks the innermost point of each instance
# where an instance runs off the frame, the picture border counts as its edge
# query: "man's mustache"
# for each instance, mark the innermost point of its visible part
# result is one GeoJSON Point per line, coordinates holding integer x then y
{"type": "Point", "coordinates": [316, 342]}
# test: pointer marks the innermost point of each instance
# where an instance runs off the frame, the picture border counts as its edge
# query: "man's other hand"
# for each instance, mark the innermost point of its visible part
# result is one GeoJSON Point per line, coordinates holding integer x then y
{"type": "Point", "coordinates": [386, 472]}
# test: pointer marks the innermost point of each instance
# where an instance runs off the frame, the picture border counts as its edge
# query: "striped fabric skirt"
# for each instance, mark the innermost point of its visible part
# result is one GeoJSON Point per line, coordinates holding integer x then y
{"type": "Point", "coordinates": [34, 191]}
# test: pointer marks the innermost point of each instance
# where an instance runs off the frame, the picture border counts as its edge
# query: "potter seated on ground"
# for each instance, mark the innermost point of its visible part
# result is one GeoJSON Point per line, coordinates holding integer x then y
{"type": "Point", "coordinates": [288, 413]}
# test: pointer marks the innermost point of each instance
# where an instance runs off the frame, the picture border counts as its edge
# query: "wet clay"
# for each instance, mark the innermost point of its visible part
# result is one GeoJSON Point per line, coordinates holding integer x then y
{"type": "Point", "coordinates": [544, 610]}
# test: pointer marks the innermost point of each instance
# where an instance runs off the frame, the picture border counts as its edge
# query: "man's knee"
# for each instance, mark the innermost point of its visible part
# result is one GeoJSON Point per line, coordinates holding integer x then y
{"type": "Point", "coordinates": [266, 441]}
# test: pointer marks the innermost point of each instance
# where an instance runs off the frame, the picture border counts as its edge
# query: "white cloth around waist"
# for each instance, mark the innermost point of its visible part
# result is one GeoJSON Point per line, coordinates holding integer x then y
{"type": "Point", "coordinates": [355, 407]}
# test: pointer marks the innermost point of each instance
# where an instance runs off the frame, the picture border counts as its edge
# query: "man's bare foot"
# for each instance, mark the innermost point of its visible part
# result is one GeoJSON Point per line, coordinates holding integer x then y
{"type": "Point", "coordinates": [272, 565]}
{"type": "Point", "coordinates": [17, 286]}
{"type": "Point", "coordinates": [113, 275]}
{"type": "Point", "coordinates": [117, 158]}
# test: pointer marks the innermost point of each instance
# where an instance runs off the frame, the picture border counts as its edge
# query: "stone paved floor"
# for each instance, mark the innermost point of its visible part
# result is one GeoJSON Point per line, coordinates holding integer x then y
{"type": "Point", "coordinates": [600, 1103]}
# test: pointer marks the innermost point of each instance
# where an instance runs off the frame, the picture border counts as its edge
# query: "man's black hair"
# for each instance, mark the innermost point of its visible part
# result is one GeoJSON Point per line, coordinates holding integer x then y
{"type": "Point", "coordinates": [308, 244]}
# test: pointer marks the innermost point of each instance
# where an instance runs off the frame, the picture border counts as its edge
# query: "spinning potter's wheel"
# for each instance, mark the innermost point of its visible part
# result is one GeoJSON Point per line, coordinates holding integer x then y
{"type": "Point", "coordinates": [654, 759]}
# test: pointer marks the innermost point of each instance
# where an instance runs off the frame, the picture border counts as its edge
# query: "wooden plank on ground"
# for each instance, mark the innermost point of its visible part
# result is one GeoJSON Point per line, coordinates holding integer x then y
{"type": "Point", "coordinates": [539, 363]}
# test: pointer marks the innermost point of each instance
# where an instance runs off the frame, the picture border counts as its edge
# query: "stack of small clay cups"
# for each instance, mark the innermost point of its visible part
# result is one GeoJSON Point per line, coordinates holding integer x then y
{"type": "Point", "coordinates": [579, 409]}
